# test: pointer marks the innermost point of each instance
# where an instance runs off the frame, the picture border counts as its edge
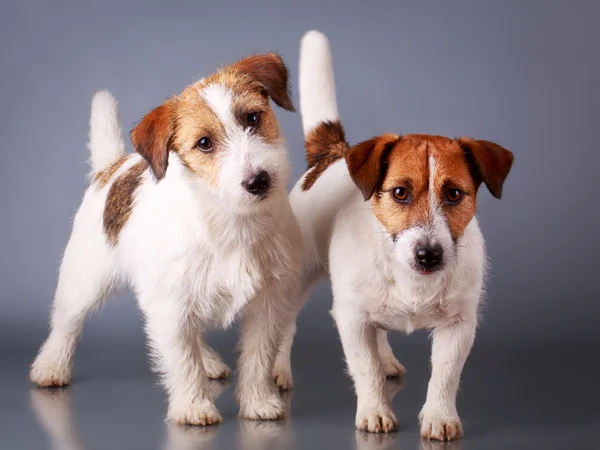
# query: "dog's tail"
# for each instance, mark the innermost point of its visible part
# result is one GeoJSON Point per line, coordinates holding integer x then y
{"type": "Point", "coordinates": [323, 132]}
{"type": "Point", "coordinates": [106, 138]}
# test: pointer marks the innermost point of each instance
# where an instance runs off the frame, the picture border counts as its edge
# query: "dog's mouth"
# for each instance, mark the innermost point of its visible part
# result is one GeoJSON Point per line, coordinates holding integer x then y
{"type": "Point", "coordinates": [428, 270]}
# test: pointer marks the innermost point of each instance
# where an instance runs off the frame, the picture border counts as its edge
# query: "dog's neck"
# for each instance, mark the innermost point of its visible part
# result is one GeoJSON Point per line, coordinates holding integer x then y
{"type": "Point", "coordinates": [232, 228]}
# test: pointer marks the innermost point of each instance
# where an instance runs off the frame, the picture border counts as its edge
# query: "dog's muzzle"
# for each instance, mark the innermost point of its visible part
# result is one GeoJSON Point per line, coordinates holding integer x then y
{"type": "Point", "coordinates": [429, 258]}
{"type": "Point", "coordinates": [258, 184]}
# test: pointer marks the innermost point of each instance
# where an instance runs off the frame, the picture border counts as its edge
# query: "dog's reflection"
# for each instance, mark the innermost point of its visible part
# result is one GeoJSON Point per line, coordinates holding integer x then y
{"type": "Point", "coordinates": [52, 408]}
{"type": "Point", "coordinates": [426, 444]}
{"type": "Point", "coordinates": [269, 434]}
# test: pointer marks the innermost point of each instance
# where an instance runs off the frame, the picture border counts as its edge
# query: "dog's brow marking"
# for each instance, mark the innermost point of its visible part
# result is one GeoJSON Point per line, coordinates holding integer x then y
{"type": "Point", "coordinates": [220, 100]}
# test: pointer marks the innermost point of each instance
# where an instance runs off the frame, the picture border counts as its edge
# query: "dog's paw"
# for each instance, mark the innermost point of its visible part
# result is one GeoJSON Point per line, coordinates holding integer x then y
{"type": "Point", "coordinates": [283, 378]}
{"type": "Point", "coordinates": [440, 428]}
{"type": "Point", "coordinates": [392, 367]}
{"type": "Point", "coordinates": [216, 369]}
{"type": "Point", "coordinates": [47, 371]}
{"type": "Point", "coordinates": [269, 408]}
{"type": "Point", "coordinates": [377, 420]}
{"type": "Point", "coordinates": [200, 412]}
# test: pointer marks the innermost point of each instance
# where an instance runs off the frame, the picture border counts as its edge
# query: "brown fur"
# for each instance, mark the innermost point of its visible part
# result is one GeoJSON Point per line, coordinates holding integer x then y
{"type": "Point", "coordinates": [102, 178]}
{"type": "Point", "coordinates": [119, 201]}
{"type": "Point", "coordinates": [181, 121]}
{"type": "Point", "coordinates": [405, 163]}
{"type": "Point", "coordinates": [151, 138]}
{"type": "Point", "coordinates": [367, 162]}
{"type": "Point", "coordinates": [325, 144]}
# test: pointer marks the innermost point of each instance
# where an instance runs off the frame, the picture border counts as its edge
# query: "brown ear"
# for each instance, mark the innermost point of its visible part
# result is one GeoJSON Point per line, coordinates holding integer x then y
{"type": "Point", "coordinates": [270, 71]}
{"type": "Point", "coordinates": [367, 162]}
{"type": "Point", "coordinates": [151, 138]}
{"type": "Point", "coordinates": [491, 163]}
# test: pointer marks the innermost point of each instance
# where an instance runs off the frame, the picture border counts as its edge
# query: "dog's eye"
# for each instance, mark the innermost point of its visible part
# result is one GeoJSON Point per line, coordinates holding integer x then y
{"type": "Point", "coordinates": [400, 194]}
{"type": "Point", "coordinates": [204, 144]}
{"type": "Point", "coordinates": [253, 119]}
{"type": "Point", "coordinates": [453, 196]}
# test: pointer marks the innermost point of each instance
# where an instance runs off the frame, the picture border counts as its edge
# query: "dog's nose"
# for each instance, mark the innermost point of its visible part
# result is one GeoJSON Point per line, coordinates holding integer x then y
{"type": "Point", "coordinates": [429, 255]}
{"type": "Point", "coordinates": [258, 184]}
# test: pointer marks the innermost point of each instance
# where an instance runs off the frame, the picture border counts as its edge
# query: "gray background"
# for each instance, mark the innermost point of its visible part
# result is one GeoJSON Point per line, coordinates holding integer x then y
{"type": "Point", "coordinates": [522, 73]}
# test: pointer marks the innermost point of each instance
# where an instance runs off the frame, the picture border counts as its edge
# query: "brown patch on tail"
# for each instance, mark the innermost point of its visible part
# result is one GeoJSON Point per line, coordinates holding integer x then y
{"type": "Point", "coordinates": [119, 201]}
{"type": "Point", "coordinates": [325, 144]}
{"type": "Point", "coordinates": [102, 178]}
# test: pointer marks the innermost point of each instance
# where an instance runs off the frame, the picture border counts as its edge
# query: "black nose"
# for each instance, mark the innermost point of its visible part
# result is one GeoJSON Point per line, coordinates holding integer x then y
{"type": "Point", "coordinates": [258, 184]}
{"type": "Point", "coordinates": [429, 255]}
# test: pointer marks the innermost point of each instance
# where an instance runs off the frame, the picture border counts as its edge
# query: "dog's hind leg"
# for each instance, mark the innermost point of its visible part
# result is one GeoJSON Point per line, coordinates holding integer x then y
{"type": "Point", "coordinates": [282, 370]}
{"type": "Point", "coordinates": [85, 277]}
{"type": "Point", "coordinates": [214, 365]}
{"type": "Point", "coordinates": [391, 365]}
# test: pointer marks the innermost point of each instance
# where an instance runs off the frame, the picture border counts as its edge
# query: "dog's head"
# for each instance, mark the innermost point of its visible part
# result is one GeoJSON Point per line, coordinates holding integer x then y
{"type": "Point", "coordinates": [224, 130]}
{"type": "Point", "coordinates": [424, 191]}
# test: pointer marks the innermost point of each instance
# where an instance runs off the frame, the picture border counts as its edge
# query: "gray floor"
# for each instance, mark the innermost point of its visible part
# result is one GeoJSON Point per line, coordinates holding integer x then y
{"type": "Point", "coordinates": [530, 394]}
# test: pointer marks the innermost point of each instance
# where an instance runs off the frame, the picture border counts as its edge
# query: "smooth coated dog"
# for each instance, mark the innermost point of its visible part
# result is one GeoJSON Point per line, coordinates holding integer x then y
{"type": "Point", "coordinates": [392, 222]}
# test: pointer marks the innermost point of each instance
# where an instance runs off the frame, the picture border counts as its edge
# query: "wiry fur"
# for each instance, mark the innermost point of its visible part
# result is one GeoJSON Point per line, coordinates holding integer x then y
{"type": "Point", "coordinates": [106, 142]}
{"type": "Point", "coordinates": [375, 285]}
{"type": "Point", "coordinates": [195, 247]}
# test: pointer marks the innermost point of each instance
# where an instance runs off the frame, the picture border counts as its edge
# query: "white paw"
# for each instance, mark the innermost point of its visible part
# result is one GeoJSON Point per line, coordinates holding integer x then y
{"type": "Point", "coordinates": [50, 371]}
{"type": "Point", "coordinates": [268, 408]}
{"type": "Point", "coordinates": [283, 378]}
{"type": "Point", "coordinates": [392, 367]}
{"type": "Point", "coordinates": [440, 428]}
{"type": "Point", "coordinates": [376, 420]}
{"type": "Point", "coordinates": [200, 412]}
{"type": "Point", "coordinates": [216, 369]}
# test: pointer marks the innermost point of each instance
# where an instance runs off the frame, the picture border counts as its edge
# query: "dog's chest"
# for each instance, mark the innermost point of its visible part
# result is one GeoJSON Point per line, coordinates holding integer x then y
{"type": "Point", "coordinates": [406, 308]}
{"type": "Point", "coordinates": [227, 279]}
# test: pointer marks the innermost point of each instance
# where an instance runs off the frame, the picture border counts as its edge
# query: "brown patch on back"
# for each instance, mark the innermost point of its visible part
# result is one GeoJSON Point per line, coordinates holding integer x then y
{"type": "Point", "coordinates": [119, 201]}
{"type": "Point", "coordinates": [325, 144]}
{"type": "Point", "coordinates": [102, 178]}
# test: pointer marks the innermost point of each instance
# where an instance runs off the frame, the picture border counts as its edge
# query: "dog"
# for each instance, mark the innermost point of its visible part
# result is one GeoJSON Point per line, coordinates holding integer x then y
{"type": "Point", "coordinates": [198, 223]}
{"type": "Point", "coordinates": [412, 257]}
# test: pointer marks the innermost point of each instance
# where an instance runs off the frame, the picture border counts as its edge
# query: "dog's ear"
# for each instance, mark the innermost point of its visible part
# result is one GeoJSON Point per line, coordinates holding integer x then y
{"type": "Point", "coordinates": [367, 162]}
{"type": "Point", "coordinates": [489, 162]}
{"type": "Point", "coordinates": [151, 138]}
{"type": "Point", "coordinates": [269, 70]}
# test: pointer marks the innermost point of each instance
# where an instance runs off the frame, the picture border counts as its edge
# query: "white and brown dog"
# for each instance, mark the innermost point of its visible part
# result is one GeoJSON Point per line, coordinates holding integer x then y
{"type": "Point", "coordinates": [413, 257]}
{"type": "Point", "coordinates": [198, 223]}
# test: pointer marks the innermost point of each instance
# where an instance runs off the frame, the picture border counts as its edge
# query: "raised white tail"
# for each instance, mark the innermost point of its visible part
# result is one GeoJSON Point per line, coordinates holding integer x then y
{"type": "Point", "coordinates": [317, 84]}
{"type": "Point", "coordinates": [106, 138]}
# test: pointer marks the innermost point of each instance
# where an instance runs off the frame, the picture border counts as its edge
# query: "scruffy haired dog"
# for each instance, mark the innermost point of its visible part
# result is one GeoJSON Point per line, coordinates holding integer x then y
{"type": "Point", "coordinates": [413, 257]}
{"type": "Point", "coordinates": [198, 223]}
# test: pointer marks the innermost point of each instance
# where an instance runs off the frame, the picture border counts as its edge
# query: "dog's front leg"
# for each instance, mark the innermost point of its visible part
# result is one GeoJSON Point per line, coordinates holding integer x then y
{"type": "Point", "coordinates": [451, 346]}
{"type": "Point", "coordinates": [177, 347]}
{"type": "Point", "coordinates": [374, 411]}
{"type": "Point", "coordinates": [263, 322]}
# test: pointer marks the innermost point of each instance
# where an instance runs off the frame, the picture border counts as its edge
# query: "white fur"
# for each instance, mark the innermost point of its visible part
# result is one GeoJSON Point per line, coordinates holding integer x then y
{"type": "Point", "coordinates": [106, 142]}
{"type": "Point", "coordinates": [317, 85]}
{"type": "Point", "coordinates": [195, 256]}
{"type": "Point", "coordinates": [375, 286]}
